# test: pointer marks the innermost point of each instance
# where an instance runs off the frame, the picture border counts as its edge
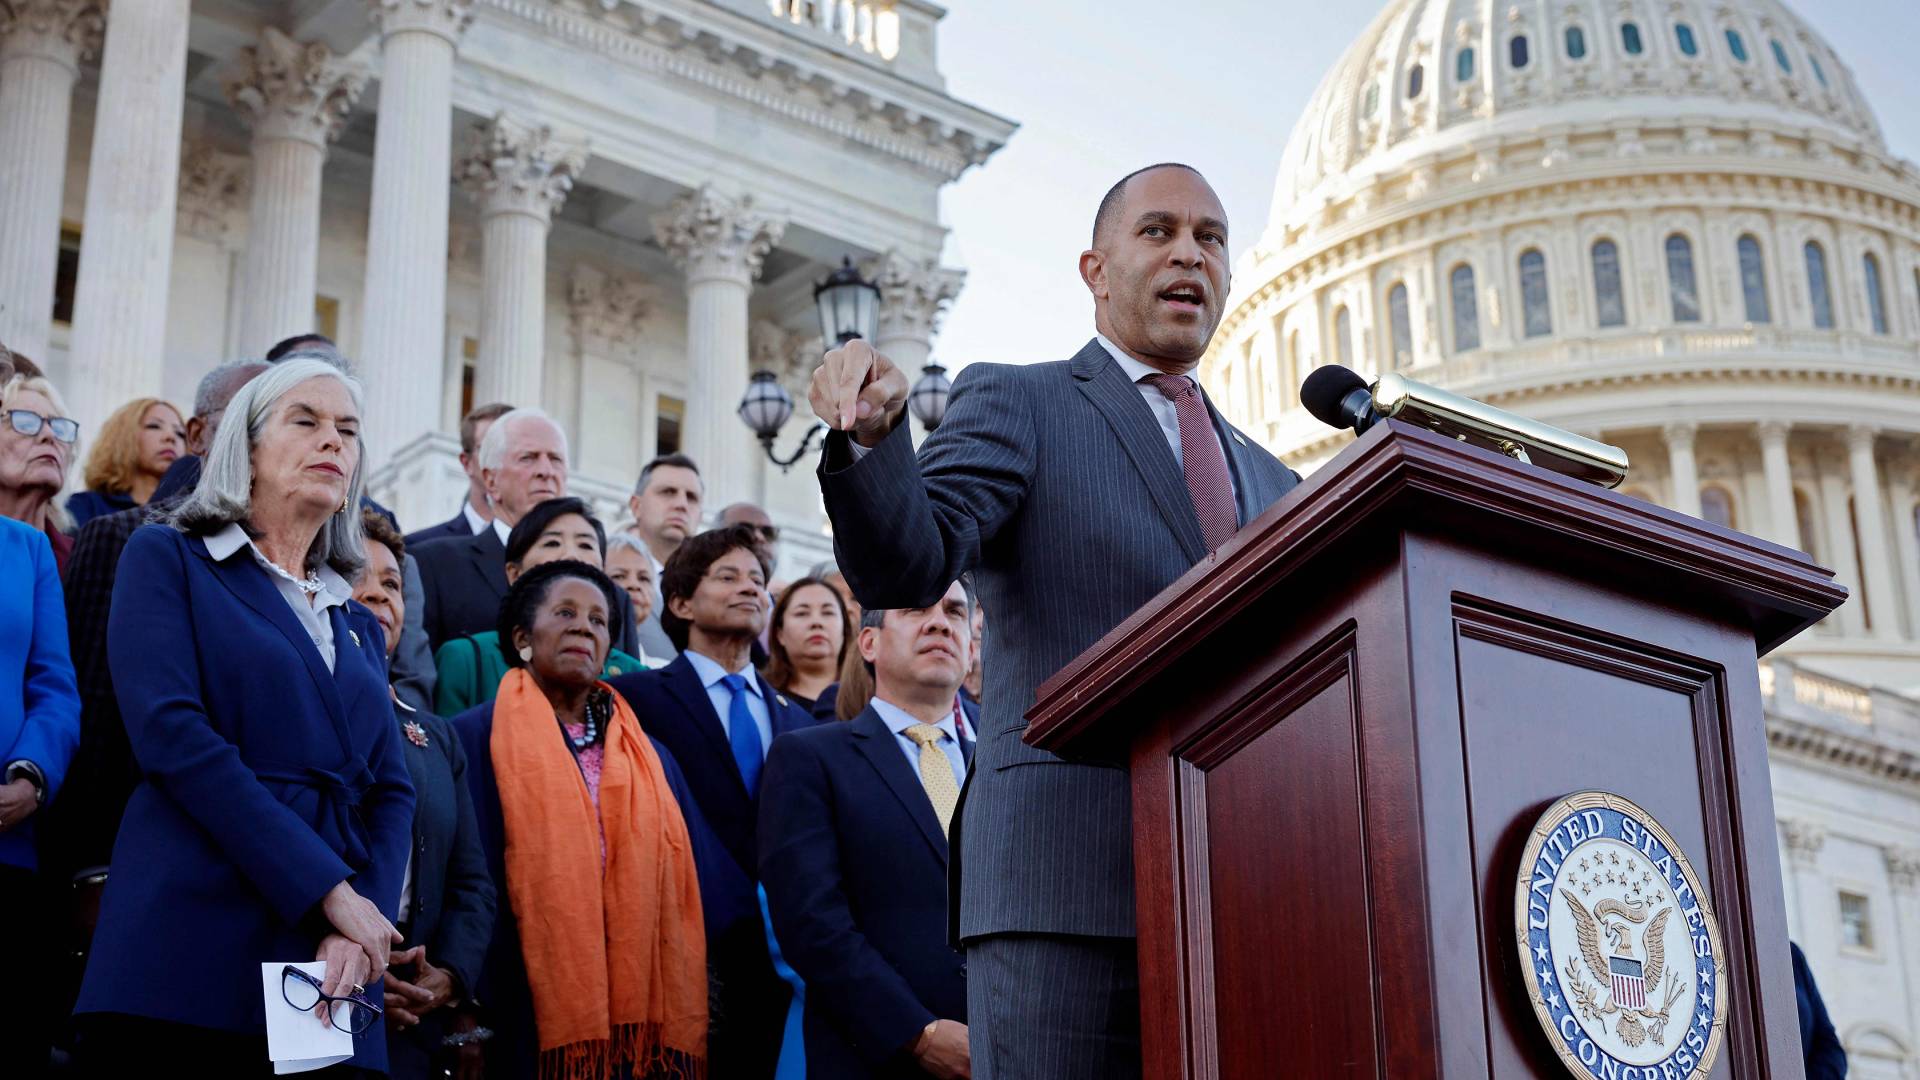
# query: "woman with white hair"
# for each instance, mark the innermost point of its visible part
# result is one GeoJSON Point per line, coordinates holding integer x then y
{"type": "Point", "coordinates": [37, 444]}
{"type": "Point", "coordinates": [274, 815]}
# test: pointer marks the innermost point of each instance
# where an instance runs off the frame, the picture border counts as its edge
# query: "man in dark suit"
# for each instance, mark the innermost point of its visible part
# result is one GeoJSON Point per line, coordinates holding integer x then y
{"type": "Point", "coordinates": [853, 855]}
{"type": "Point", "coordinates": [476, 511]}
{"type": "Point", "coordinates": [1820, 1049]}
{"type": "Point", "coordinates": [1075, 491]}
{"type": "Point", "coordinates": [718, 716]}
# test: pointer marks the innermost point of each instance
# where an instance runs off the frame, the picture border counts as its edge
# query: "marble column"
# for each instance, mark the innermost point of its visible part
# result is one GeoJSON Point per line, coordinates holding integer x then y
{"type": "Point", "coordinates": [403, 339]}
{"type": "Point", "coordinates": [914, 294]}
{"type": "Point", "coordinates": [719, 241]}
{"type": "Point", "coordinates": [519, 174]}
{"type": "Point", "coordinates": [1868, 517]}
{"type": "Point", "coordinates": [1783, 522]}
{"type": "Point", "coordinates": [126, 253]}
{"type": "Point", "coordinates": [296, 98]}
{"type": "Point", "coordinates": [1903, 876]}
{"type": "Point", "coordinates": [42, 43]}
{"type": "Point", "coordinates": [1839, 553]}
{"type": "Point", "coordinates": [1906, 543]}
{"type": "Point", "coordinates": [1802, 841]}
{"type": "Point", "coordinates": [1682, 471]}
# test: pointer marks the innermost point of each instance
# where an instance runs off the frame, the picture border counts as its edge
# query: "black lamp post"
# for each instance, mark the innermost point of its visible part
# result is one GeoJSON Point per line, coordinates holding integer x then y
{"type": "Point", "coordinates": [927, 401]}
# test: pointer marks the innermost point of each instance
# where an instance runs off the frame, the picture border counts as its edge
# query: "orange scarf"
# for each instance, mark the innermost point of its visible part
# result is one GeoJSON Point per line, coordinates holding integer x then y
{"type": "Point", "coordinates": [616, 958]}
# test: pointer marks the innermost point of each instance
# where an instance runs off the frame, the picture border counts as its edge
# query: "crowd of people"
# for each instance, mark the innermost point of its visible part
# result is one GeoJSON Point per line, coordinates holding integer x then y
{"type": "Point", "coordinates": [550, 796]}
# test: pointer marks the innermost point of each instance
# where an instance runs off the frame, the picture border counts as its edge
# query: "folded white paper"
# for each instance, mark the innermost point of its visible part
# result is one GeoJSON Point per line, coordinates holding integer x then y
{"type": "Point", "coordinates": [297, 1041]}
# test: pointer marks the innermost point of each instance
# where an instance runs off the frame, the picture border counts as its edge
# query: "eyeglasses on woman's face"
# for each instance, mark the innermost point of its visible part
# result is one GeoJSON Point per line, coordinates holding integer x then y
{"type": "Point", "coordinates": [28, 423]}
{"type": "Point", "coordinates": [355, 1012]}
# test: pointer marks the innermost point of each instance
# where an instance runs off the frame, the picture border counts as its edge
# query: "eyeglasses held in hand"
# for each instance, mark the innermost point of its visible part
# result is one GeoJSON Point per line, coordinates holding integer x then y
{"type": "Point", "coordinates": [354, 1013]}
{"type": "Point", "coordinates": [28, 423]}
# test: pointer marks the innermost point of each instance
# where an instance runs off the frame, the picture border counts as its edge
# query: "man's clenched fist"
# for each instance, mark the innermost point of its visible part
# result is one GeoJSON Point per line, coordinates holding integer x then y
{"type": "Point", "coordinates": [857, 390]}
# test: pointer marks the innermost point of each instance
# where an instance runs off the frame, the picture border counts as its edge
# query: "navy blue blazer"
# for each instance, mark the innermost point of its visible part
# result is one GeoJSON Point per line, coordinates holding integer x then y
{"type": "Point", "coordinates": [455, 529]}
{"type": "Point", "coordinates": [1820, 1048]}
{"type": "Point", "coordinates": [266, 781]}
{"type": "Point", "coordinates": [855, 868]}
{"type": "Point", "coordinates": [465, 578]}
{"type": "Point", "coordinates": [674, 708]}
{"type": "Point", "coordinates": [502, 987]}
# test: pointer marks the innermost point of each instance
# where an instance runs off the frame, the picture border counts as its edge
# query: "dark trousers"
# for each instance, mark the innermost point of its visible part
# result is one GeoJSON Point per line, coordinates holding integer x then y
{"type": "Point", "coordinates": [749, 1005]}
{"type": "Point", "coordinates": [28, 1004]}
{"type": "Point", "coordinates": [1053, 1007]}
{"type": "Point", "coordinates": [113, 1046]}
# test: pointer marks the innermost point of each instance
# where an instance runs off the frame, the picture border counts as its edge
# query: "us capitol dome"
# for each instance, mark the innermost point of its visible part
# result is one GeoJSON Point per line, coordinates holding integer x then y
{"type": "Point", "coordinates": [1673, 226]}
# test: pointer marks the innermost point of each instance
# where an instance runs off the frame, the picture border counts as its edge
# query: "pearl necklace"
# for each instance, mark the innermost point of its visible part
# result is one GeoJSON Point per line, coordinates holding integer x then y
{"type": "Point", "coordinates": [311, 586]}
{"type": "Point", "coordinates": [599, 712]}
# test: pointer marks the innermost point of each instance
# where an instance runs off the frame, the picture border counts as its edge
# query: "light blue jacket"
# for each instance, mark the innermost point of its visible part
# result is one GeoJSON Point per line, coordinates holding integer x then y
{"type": "Point", "coordinates": [39, 701]}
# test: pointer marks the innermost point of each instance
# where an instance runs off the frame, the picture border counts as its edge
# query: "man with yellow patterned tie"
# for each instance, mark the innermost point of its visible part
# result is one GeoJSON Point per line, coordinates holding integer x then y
{"type": "Point", "coordinates": [853, 856]}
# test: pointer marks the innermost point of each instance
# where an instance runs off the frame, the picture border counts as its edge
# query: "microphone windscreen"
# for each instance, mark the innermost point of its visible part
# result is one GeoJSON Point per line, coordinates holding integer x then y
{"type": "Point", "coordinates": [1324, 389]}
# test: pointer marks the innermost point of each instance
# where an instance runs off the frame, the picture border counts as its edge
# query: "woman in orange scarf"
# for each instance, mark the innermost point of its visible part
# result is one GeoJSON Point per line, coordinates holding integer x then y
{"type": "Point", "coordinates": [598, 964]}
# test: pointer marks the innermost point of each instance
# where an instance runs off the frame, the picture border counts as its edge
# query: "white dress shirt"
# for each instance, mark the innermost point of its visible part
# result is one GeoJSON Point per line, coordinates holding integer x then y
{"type": "Point", "coordinates": [502, 530]}
{"type": "Point", "coordinates": [898, 720]}
{"type": "Point", "coordinates": [311, 612]}
{"type": "Point", "coordinates": [475, 522]}
{"type": "Point", "coordinates": [711, 673]}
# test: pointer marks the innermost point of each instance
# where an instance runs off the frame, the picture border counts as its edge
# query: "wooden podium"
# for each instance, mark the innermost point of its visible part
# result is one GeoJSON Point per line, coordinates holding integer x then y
{"type": "Point", "coordinates": [1343, 725]}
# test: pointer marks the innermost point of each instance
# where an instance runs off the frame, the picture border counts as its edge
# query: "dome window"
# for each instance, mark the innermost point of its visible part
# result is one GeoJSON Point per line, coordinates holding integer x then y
{"type": "Point", "coordinates": [1466, 309]}
{"type": "Point", "coordinates": [1818, 72]}
{"type": "Point", "coordinates": [1753, 280]}
{"type": "Point", "coordinates": [1576, 43]}
{"type": "Point", "coordinates": [1371, 103]}
{"type": "Point", "coordinates": [1737, 45]}
{"type": "Point", "coordinates": [1683, 36]}
{"type": "Point", "coordinates": [1400, 322]}
{"type": "Point", "coordinates": [1780, 56]}
{"type": "Point", "coordinates": [1630, 39]}
{"type": "Point", "coordinates": [1343, 335]}
{"type": "Point", "coordinates": [1536, 314]}
{"type": "Point", "coordinates": [1609, 302]}
{"type": "Point", "coordinates": [1682, 288]}
{"type": "Point", "coordinates": [1463, 65]}
{"type": "Point", "coordinates": [1876, 303]}
{"type": "Point", "coordinates": [1517, 54]}
{"type": "Point", "coordinates": [1818, 292]}
{"type": "Point", "coordinates": [1416, 79]}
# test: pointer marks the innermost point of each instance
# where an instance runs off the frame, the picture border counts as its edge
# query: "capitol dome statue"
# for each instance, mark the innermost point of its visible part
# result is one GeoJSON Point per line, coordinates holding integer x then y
{"type": "Point", "coordinates": [1673, 226]}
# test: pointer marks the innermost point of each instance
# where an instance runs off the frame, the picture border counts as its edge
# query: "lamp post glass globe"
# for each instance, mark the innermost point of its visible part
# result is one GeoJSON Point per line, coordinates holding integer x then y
{"type": "Point", "coordinates": [928, 398]}
{"type": "Point", "coordinates": [848, 304]}
{"type": "Point", "coordinates": [766, 406]}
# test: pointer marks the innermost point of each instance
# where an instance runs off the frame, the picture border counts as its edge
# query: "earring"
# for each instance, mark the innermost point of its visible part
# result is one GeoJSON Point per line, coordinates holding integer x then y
{"type": "Point", "coordinates": [343, 505]}
{"type": "Point", "coordinates": [526, 654]}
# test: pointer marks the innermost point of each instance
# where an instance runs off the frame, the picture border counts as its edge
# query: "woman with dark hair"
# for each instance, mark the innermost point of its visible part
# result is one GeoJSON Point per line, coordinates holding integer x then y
{"type": "Point", "coordinates": [274, 813]}
{"type": "Point", "coordinates": [447, 900]}
{"type": "Point", "coordinates": [470, 668]}
{"type": "Point", "coordinates": [809, 640]}
{"type": "Point", "coordinates": [598, 964]}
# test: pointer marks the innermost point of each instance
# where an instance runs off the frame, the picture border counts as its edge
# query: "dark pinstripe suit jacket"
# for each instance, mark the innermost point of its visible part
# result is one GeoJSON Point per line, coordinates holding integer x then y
{"type": "Point", "coordinates": [1055, 485]}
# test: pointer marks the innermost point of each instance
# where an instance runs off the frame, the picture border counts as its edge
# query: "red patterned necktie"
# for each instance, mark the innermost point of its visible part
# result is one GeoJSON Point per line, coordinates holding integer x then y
{"type": "Point", "coordinates": [1201, 458]}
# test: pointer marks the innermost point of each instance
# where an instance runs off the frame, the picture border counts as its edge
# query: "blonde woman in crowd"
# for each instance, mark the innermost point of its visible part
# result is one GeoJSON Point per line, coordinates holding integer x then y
{"type": "Point", "coordinates": [133, 451]}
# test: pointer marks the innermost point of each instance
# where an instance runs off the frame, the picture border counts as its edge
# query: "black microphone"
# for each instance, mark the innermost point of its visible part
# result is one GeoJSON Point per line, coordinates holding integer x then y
{"type": "Point", "coordinates": [1338, 397]}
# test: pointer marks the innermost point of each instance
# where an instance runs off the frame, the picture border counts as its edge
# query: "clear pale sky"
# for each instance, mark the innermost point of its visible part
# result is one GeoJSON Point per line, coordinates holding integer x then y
{"type": "Point", "coordinates": [1101, 87]}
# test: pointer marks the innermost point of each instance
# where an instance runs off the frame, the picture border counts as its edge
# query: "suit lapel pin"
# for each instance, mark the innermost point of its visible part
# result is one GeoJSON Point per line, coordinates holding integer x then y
{"type": "Point", "coordinates": [1239, 438]}
{"type": "Point", "coordinates": [781, 698]}
{"type": "Point", "coordinates": [356, 643]}
{"type": "Point", "coordinates": [416, 734]}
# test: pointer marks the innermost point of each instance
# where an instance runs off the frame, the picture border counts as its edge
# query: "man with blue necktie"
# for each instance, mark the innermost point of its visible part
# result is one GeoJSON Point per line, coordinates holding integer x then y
{"type": "Point", "coordinates": [718, 717]}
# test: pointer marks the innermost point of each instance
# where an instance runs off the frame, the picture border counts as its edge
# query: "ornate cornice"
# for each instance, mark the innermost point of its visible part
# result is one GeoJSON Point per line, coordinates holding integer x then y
{"type": "Point", "coordinates": [444, 18]}
{"type": "Point", "coordinates": [284, 89]}
{"type": "Point", "coordinates": [874, 109]}
{"type": "Point", "coordinates": [1903, 869]}
{"type": "Point", "coordinates": [213, 188]}
{"type": "Point", "coordinates": [1803, 840]}
{"type": "Point", "coordinates": [914, 294]}
{"type": "Point", "coordinates": [64, 31]}
{"type": "Point", "coordinates": [512, 166]}
{"type": "Point", "coordinates": [609, 310]}
{"type": "Point", "coordinates": [713, 235]}
{"type": "Point", "coordinates": [1842, 750]}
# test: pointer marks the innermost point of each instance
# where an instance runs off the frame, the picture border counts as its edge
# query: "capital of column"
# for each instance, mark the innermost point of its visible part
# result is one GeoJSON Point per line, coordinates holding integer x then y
{"type": "Point", "coordinates": [711, 235]}
{"type": "Point", "coordinates": [515, 167]}
{"type": "Point", "coordinates": [609, 310]}
{"type": "Point", "coordinates": [1803, 840]}
{"type": "Point", "coordinates": [63, 31]}
{"type": "Point", "coordinates": [284, 89]}
{"type": "Point", "coordinates": [1903, 869]}
{"type": "Point", "coordinates": [914, 294]}
{"type": "Point", "coordinates": [1774, 432]}
{"type": "Point", "coordinates": [1860, 437]}
{"type": "Point", "coordinates": [1680, 433]}
{"type": "Point", "coordinates": [445, 18]}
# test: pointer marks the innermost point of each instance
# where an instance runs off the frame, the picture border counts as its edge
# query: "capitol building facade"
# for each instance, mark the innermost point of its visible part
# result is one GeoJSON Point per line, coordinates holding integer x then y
{"type": "Point", "coordinates": [612, 209]}
{"type": "Point", "coordinates": [1672, 226]}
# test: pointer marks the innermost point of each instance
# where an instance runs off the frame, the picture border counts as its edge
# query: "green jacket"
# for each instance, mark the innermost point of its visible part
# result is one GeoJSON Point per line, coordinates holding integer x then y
{"type": "Point", "coordinates": [470, 670]}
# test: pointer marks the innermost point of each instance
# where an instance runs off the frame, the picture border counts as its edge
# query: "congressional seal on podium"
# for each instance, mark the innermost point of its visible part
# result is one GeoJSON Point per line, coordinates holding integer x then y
{"type": "Point", "coordinates": [1623, 958]}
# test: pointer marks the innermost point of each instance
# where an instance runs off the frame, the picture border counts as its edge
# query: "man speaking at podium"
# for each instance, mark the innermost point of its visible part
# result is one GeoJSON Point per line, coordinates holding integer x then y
{"type": "Point", "coordinates": [1074, 491]}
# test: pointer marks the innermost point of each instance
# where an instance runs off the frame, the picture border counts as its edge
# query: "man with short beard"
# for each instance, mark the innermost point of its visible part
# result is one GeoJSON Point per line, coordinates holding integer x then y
{"type": "Point", "coordinates": [1074, 491]}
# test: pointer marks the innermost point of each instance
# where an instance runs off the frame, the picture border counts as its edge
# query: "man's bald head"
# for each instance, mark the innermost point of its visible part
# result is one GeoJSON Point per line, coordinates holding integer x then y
{"type": "Point", "coordinates": [1108, 215]}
